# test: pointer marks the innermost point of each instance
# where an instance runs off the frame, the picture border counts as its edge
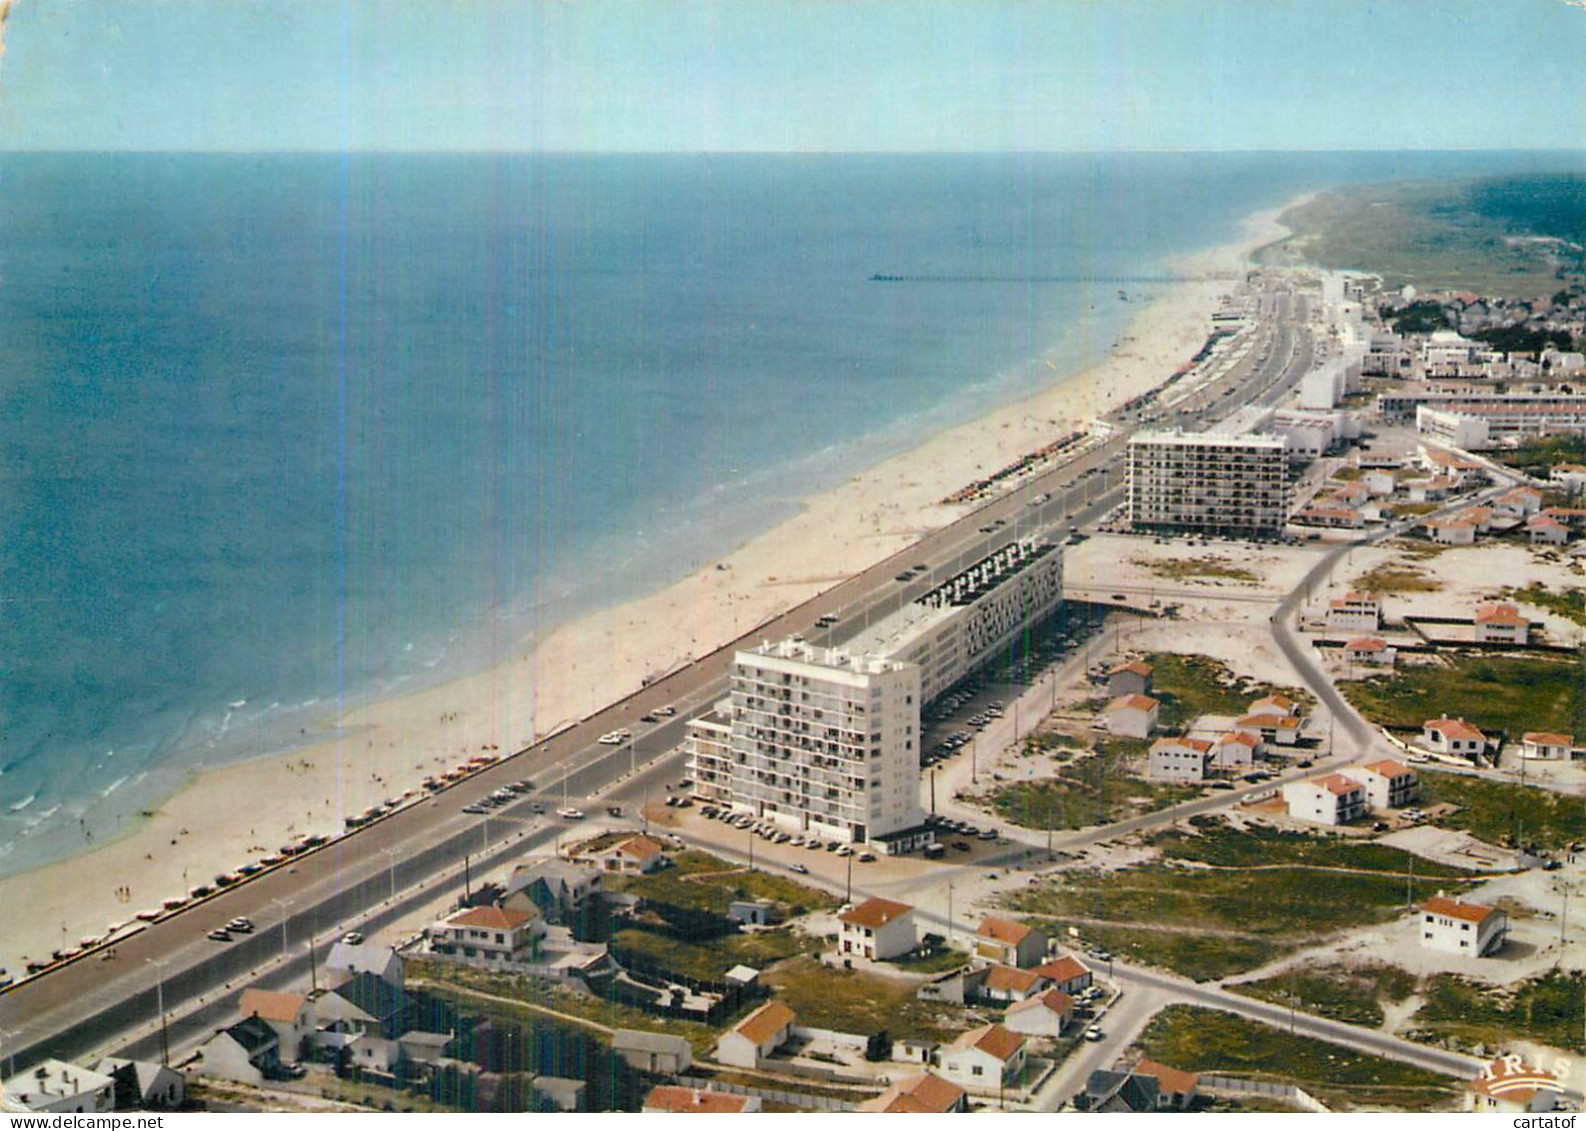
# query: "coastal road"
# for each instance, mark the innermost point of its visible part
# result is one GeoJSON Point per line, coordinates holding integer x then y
{"type": "Point", "coordinates": [89, 1002]}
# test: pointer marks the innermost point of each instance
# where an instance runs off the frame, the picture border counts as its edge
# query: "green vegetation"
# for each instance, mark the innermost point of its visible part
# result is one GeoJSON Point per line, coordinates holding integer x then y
{"type": "Point", "coordinates": [1506, 813]}
{"type": "Point", "coordinates": [1539, 455]}
{"type": "Point", "coordinates": [1350, 994]}
{"type": "Point", "coordinates": [1204, 1040]}
{"type": "Point", "coordinates": [1392, 578]}
{"type": "Point", "coordinates": [1569, 604]}
{"type": "Point", "coordinates": [708, 959]}
{"type": "Point", "coordinates": [1519, 339]}
{"type": "Point", "coordinates": [1403, 510]}
{"type": "Point", "coordinates": [1227, 900]}
{"type": "Point", "coordinates": [1494, 692]}
{"type": "Point", "coordinates": [1213, 566]}
{"type": "Point", "coordinates": [701, 881]}
{"type": "Point", "coordinates": [1092, 788]}
{"type": "Point", "coordinates": [1190, 686]}
{"type": "Point", "coordinates": [853, 1001]}
{"type": "Point", "coordinates": [1420, 318]}
{"type": "Point", "coordinates": [1445, 235]}
{"type": "Point", "coordinates": [1546, 1009]}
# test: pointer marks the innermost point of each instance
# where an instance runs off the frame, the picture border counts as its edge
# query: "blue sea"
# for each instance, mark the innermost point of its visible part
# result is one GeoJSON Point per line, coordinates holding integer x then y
{"type": "Point", "coordinates": [285, 433]}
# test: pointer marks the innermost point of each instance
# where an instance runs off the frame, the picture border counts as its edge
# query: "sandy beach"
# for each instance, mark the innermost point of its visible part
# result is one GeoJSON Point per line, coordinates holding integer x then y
{"type": "Point", "coordinates": [229, 816]}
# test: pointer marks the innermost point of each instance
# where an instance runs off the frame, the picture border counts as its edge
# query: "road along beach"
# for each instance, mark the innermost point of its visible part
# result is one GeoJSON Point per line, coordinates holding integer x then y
{"type": "Point", "coordinates": [227, 817]}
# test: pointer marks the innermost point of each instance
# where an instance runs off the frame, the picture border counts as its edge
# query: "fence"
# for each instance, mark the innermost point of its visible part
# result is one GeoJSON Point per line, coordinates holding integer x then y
{"type": "Point", "coordinates": [1289, 1093]}
{"type": "Point", "coordinates": [792, 1099]}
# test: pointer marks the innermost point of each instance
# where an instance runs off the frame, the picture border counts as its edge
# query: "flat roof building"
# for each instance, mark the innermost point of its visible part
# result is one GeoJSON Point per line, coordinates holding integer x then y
{"type": "Point", "coordinates": [1210, 482]}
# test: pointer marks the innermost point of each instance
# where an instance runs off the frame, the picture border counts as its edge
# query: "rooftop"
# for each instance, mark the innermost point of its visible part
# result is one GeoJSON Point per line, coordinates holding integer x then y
{"type": "Point", "coordinates": [991, 1039]}
{"type": "Point", "coordinates": [1456, 909]}
{"type": "Point", "coordinates": [674, 1098]}
{"type": "Point", "coordinates": [875, 913]}
{"type": "Point", "coordinates": [765, 1022]}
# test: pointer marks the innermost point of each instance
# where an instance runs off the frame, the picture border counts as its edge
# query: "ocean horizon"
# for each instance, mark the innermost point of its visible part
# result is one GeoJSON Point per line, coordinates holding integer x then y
{"type": "Point", "coordinates": [291, 432]}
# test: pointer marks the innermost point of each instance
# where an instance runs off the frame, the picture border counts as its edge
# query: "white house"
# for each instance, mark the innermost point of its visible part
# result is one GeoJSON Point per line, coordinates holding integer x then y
{"type": "Point", "coordinates": [1453, 736]}
{"type": "Point", "coordinates": [1388, 784]}
{"type": "Point", "coordinates": [757, 1036]}
{"type": "Point", "coordinates": [1354, 612]}
{"type": "Point", "coordinates": [1178, 759]}
{"type": "Point", "coordinates": [143, 1083]}
{"type": "Point", "coordinates": [1237, 750]}
{"type": "Point", "coordinates": [1280, 730]}
{"type": "Point", "coordinates": [1456, 530]}
{"type": "Point", "coordinates": [1501, 624]}
{"type": "Point", "coordinates": [878, 929]}
{"type": "Point", "coordinates": [1569, 476]}
{"type": "Point", "coordinates": [637, 854]}
{"type": "Point", "coordinates": [673, 1099]}
{"type": "Point", "coordinates": [1010, 943]}
{"type": "Point", "coordinates": [1545, 530]}
{"type": "Point", "coordinates": [290, 1015]}
{"type": "Point", "coordinates": [486, 936]}
{"type": "Point", "coordinates": [660, 1054]}
{"type": "Point", "coordinates": [1009, 983]}
{"type": "Point", "coordinates": [1370, 650]}
{"type": "Point", "coordinates": [1462, 928]}
{"type": "Point", "coordinates": [1330, 800]}
{"type": "Point", "coordinates": [350, 958]}
{"type": "Point", "coordinates": [1132, 716]}
{"type": "Point", "coordinates": [59, 1087]}
{"type": "Point", "coordinates": [986, 1059]}
{"type": "Point", "coordinates": [248, 1052]}
{"type": "Point", "coordinates": [1379, 483]}
{"type": "Point", "coordinates": [1044, 1015]}
{"type": "Point", "coordinates": [1521, 501]}
{"type": "Point", "coordinates": [1545, 746]}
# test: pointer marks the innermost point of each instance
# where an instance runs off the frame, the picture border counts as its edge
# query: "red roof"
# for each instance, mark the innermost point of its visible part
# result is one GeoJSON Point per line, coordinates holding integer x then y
{"type": "Point", "coordinates": [1366, 644]}
{"type": "Point", "coordinates": [1064, 969]}
{"type": "Point", "coordinates": [1499, 614]}
{"type": "Point", "coordinates": [1242, 737]}
{"type": "Point", "coordinates": [671, 1098]}
{"type": "Point", "coordinates": [490, 918]}
{"type": "Point", "coordinates": [875, 913]}
{"type": "Point", "coordinates": [992, 1039]}
{"type": "Point", "coordinates": [639, 847]}
{"type": "Point", "coordinates": [765, 1022]}
{"type": "Point", "coordinates": [1011, 978]}
{"type": "Point", "coordinates": [1003, 931]}
{"type": "Point", "coordinates": [1336, 784]}
{"type": "Point", "coordinates": [927, 1094]}
{"type": "Point", "coordinates": [1542, 738]}
{"type": "Point", "coordinates": [269, 1005]}
{"type": "Point", "coordinates": [1455, 728]}
{"type": "Point", "coordinates": [1455, 909]}
{"type": "Point", "coordinates": [1170, 1080]}
{"type": "Point", "coordinates": [1138, 667]}
{"type": "Point", "coordinates": [1138, 702]}
{"type": "Point", "coordinates": [1055, 1000]}
{"type": "Point", "coordinates": [1389, 768]}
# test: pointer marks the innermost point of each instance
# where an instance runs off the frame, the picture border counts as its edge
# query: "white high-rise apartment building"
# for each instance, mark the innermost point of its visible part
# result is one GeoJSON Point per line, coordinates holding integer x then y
{"type": "Point", "coordinates": [825, 740]}
{"type": "Point", "coordinates": [1210, 482]}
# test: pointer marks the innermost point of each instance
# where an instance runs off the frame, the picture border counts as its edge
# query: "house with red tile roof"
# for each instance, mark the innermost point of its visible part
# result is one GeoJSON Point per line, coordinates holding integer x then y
{"type": "Point", "coordinates": [1457, 927]}
{"type": "Point", "coordinates": [489, 936]}
{"type": "Point", "coordinates": [634, 856]}
{"type": "Point", "coordinates": [1067, 973]}
{"type": "Point", "coordinates": [1046, 1014]}
{"type": "Point", "coordinates": [1453, 736]}
{"type": "Point", "coordinates": [672, 1099]}
{"type": "Point", "coordinates": [1236, 751]}
{"type": "Point", "coordinates": [1009, 942]}
{"type": "Point", "coordinates": [1279, 730]}
{"type": "Point", "coordinates": [1178, 759]}
{"type": "Point", "coordinates": [1355, 611]}
{"type": "Point", "coordinates": [1131, 678]}
{"type": "Point", "coordinates": [926, 1094]}
{"type": "Point", "coordinates": [1501, 624]}
{"type": "Point", "coordinates": [757, 1036]}
{"type": "Point", "coordinates": [1369, 650]}
{"type": "Point", "coordinates": [877, 929]}
{"type": "Point", "coordinates": [290, 1015]}
{"type": "Point", "coordinates": [1546, 746]}
{"type": "Point", "coordinates": [1388, 784]}
{"type": "Point", "coordinates": [986, 1059]}
{"type": "Point", "coordinates": [1132, 716]}
{"type": "Point", "coordinates": [1009, 983]}
{"type": "Point", "coordinates": [1330, 800]}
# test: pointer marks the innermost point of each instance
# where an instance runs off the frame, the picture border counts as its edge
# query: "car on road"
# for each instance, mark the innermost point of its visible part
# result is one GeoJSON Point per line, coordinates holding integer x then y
{"type": "Point", "coordinates": [610, 738]}
{"type": "Point", "coordinates": [220, 934]}
{"type": "Point", "coordinates": [988, 834]}
{"type": "Point", "coordinates": [799, 868]}
{"type": "Point", "coordinates": [570, 814]}
{"type": "Point", "coordinates": [614, 810]}
{"type": "Point", "coordinates": [241, 925]}
{"type": "Point", "coordinates": [870, 858]}
{"type": "Point", "coordinates": [476, 808]}
{"type": "Point", "coordinates": [961, 846]}
{"type": "Point", "coordinates": [647, 718]}
{"type": "Point", "coordinates": [1094, 1033]}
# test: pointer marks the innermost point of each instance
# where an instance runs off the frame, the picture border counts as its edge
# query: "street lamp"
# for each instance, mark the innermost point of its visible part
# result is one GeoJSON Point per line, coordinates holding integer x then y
{"type": "Point", "coordinates": [391, 858]}
{"type": "Point", "coordinates": [159, 997]}
{"type": "Point", "coordinates": [283, 904]}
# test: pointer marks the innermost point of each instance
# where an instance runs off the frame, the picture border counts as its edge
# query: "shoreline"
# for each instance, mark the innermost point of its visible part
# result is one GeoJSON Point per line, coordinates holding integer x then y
{"type": "Point", "coordinates": [384, 747]}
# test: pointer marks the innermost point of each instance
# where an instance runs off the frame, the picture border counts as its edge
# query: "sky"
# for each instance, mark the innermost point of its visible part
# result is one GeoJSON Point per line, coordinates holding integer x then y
{"type": "Point", "coordinates": [785, 75]}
